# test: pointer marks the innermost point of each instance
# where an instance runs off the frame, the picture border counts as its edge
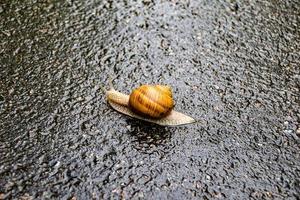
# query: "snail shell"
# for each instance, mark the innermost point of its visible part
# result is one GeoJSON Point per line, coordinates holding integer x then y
{"type": "Point", "coordinates": [154, 101]}
{"type": "Point", "coordinates": [158, 108]}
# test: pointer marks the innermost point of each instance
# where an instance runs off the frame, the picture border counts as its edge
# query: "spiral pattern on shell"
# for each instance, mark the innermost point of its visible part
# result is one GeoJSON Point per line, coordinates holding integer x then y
{"type": "Point", "coordinates": [153, 101]}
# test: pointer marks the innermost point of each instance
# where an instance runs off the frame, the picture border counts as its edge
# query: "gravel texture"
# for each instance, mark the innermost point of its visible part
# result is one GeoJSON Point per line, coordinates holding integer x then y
{"type": "Point", "coordinates": [234, 65]}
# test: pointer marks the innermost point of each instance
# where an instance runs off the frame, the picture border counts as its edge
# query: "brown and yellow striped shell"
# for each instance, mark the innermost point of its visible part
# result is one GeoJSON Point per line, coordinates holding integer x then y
{"type": "Point", "coordinates": [154, 101]}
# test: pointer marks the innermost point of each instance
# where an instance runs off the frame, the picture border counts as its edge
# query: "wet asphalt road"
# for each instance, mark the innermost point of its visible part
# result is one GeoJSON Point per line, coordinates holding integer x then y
{"type": "Point", "coordinates": [234, 65]}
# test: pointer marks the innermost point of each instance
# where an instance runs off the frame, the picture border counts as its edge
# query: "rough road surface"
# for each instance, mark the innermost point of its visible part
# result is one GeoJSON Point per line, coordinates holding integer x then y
{"type": "Point", "coordinates": [234, 65]}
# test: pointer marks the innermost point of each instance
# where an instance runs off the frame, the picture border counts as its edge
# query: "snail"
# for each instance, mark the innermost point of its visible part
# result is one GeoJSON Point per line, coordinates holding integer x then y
{"type": "Point", "coordinates": [151, 103]}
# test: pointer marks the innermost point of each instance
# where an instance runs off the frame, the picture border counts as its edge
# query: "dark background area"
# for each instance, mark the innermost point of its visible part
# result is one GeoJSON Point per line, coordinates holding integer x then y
{"type": "Point", "coordinates": [234, 65]}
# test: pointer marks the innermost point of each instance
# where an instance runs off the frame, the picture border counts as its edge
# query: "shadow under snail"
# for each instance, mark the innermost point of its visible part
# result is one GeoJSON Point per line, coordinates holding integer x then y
{"type": "Point", "coordinates": [151, 103]}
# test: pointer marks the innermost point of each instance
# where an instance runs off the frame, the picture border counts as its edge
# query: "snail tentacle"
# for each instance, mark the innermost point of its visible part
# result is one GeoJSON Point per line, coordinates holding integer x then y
{"type": "Point", "coordinates": [110, 82]}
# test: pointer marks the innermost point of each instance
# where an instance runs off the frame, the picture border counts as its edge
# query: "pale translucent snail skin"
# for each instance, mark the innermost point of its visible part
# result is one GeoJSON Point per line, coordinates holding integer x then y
{"type": "Point", "coordinates": [119, 102]}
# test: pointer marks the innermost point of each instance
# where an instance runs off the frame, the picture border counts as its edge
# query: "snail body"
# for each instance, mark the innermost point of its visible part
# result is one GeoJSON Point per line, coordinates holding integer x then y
{"type": "Point", "coordinates": [152, 103]}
